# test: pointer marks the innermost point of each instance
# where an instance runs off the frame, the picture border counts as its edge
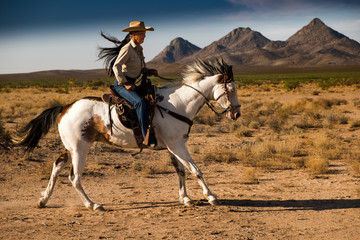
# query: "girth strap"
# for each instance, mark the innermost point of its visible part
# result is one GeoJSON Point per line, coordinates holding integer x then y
{"type": "Point", "coordinates": [177, 116]}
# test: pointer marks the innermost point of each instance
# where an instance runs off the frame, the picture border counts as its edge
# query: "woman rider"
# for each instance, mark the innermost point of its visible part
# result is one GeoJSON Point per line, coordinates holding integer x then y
{"type": "Point", "coordinates": [127, 67]}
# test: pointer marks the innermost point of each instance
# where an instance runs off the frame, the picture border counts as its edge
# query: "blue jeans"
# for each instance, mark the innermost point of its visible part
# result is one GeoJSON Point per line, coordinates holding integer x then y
{"type": "Point", "coordinates": [138, 102]}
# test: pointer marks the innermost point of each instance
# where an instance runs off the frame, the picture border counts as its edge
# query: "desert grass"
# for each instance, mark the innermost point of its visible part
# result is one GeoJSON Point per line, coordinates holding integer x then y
{"type": "Point", "coordinates": [151, 165]}
{"type": "Point", "coordinates": [354, 125]}
{"type": "Point", "coordinates": [5, 137]}
{"type": "Point", "coordinates": [270, 154]}
{"type": "Point", "coordinates": [25, 103]}
{"type": "Point", "coordinates": [206, 117]}
{"type": "Point", "coordinates": [250, 176]}
{"type": "Point", "coordinates": [220, 154]}
{"type": "Point", "coordinates": [353, 159]}
{"type": "Point", "coordinates": [317, 165]}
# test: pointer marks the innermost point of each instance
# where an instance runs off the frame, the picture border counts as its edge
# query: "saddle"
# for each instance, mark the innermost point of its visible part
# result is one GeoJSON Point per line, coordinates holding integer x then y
{"type": "Point", "coordinates": [126, 112]}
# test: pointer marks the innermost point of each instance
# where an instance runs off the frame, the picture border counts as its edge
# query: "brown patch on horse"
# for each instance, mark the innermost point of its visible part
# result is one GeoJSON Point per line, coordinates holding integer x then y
{"type": "Point", "coordinates": [64, 157]}
{"type": "Point", "coordinates": [96, 130]}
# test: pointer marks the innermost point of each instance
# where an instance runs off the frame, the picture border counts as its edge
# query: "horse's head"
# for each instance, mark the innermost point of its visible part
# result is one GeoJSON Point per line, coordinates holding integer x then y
{"type": "Point", "coordinates": [224, 90]}
{"type": "Point", "coordinates": [225, 94]}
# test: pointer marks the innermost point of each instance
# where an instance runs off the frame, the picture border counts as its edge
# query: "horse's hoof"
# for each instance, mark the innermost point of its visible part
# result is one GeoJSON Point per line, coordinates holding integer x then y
{"type": "Point", "coordinates": [189, 203]}
{"type": "Point", "coordinates": [98, 207]}
{"type": "Point", "coordinates": [214, 202]}
{"type": "Point", "coordinates": [41, 204]}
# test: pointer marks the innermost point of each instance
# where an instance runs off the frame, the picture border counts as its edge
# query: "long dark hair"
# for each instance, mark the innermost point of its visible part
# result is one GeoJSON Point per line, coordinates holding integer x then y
{"type": "Point", "coordinates": [110, 54]}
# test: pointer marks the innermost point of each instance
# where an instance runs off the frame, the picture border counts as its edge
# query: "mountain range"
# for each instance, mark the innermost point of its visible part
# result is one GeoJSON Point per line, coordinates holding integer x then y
{"type": "Point", "coordinates": [314, 45]}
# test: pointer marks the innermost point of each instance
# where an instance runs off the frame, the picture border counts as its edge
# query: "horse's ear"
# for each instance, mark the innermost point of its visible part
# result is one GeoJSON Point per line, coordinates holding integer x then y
{"type": "Point", "coordinates": [230, 72]}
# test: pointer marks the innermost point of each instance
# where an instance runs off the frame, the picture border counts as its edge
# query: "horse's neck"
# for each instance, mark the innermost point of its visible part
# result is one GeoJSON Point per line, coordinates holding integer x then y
{"type": "Point", "coordinates": [188, 101]}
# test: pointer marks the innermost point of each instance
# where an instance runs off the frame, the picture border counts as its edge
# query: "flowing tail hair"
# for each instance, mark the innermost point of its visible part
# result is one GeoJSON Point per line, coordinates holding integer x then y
{"type": "Point", "coordinates": [39, 127]}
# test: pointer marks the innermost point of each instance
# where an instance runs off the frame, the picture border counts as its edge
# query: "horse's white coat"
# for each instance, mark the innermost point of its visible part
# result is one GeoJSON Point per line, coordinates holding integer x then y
{"type": "Point", "coordinates": [87, 120]}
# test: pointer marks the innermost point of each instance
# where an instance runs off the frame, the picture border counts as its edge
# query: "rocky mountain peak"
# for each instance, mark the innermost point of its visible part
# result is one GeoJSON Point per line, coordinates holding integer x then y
{"type": "Point", "coordinates": [316, 32]}
{"type": "Point", "coordinates": [176, 50]}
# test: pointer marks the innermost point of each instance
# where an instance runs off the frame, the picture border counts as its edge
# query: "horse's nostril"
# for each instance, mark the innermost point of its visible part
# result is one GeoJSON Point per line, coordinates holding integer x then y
{"type": "Point", "coordinates": [236, 115]}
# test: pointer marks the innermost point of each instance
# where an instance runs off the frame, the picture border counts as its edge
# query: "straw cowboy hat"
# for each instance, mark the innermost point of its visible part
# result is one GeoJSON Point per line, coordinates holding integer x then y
{"type": "Point", "coordinates": [137, 26]}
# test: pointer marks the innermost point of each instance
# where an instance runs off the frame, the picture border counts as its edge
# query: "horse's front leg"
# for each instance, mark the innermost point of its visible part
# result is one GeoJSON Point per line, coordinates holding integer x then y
{"type": "Point", "coordinates": [180, 151]}
{"type": "Point", "coordinates": [183, 197]}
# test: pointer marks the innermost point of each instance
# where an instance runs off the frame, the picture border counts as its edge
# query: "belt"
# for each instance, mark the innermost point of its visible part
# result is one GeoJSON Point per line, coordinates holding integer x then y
{"type": "Point", "coordinates": [130, 80]}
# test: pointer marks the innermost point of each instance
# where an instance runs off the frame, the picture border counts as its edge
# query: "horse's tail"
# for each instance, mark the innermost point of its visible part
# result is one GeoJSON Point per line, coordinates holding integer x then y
{"type": "Point", "coordinates": [39, 127]}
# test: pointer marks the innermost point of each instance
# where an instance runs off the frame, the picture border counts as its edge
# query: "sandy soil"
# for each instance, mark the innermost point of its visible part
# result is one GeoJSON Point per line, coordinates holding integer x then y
{"type": "Point", "coordinates": [284, 204]}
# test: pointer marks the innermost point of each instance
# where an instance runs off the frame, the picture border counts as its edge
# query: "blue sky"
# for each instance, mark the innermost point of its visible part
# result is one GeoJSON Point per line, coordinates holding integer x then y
{"type": "Point", "coordinates": [45, 35]}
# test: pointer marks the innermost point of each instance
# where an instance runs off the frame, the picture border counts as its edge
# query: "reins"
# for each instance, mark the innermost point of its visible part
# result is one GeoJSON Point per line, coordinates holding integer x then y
{"type": "Point", "coordinates": [207, 101]}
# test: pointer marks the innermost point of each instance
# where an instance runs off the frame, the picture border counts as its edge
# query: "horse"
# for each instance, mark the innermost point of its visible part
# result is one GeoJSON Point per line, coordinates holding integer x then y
{"type": "Point", "coordinates": [87, 120]}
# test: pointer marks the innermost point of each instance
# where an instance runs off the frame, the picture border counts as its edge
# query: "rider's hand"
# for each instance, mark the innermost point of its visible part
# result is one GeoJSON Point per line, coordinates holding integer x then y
{"type": "Point", "coordinates": [129, 86]}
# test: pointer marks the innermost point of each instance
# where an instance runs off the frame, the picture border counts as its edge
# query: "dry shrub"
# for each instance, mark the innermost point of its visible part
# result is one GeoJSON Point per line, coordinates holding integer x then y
{"type": "Point", "coordinates": [331, 119]}
{"type": "Point", "coordinates": [195, 149]}
{"type": "Point", "coordinates": [151, 169]}
{"type": "Point", "coordinates": [269, 108]}
{"type": "Point", "coordinates": [243, 132]}
{"type": "Point", "coordinates": [328, 103]}
{"type": "Point", "coordinates": [270, 154]}
{"type": "Point", "coordinates": [207, 117]}
{"type": "Point", "coordinates": [297, 107]}
{"type": "Point", "coordinates": [250, 176]}
{"type": "Point", "coordinates": [354, 125]}
{"type": "Point", "coordinates": [198, 128]}
{"type": "Point", "coordinates": [328, 146]}
{"type": "Point", "coordinates": [255, 124]}
{"type": "Point", "coordinates": [299, 162]}
{"type": "Point", "coordinates": [305, 122]}
{"type": "Point", "coordinates": [317, 165]}
{"type": "Point", "coordinates": [353, 157]}
{"type": "Point", "coordinates": [356, 102]}
{"type": "Point", "coordinates": [234, 126]}
{"type": "Point", "coordinates": [5, 137]}
{"type": "Point", "coordinates": [221, 154]}
{"type": "Point", "coordinates": [275, 124]}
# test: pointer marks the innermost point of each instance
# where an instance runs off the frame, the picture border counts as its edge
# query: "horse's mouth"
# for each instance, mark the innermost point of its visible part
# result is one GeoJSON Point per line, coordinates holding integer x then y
{"type": "Point", "coordinates": [233, 115]}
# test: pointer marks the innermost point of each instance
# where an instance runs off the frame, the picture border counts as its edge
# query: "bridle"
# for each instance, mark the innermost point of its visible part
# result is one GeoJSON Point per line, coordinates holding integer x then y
{"type": "Point", "coordinates": [226, 92]}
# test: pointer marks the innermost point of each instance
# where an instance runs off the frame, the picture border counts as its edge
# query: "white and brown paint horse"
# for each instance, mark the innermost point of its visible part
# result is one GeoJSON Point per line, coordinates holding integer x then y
{"type": "Point", "coordinates": [87, 120]}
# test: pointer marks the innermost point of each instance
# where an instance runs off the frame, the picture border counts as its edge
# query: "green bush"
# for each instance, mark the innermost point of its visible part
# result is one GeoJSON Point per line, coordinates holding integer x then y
{"type": "Point", "coordinates": [291, 84]}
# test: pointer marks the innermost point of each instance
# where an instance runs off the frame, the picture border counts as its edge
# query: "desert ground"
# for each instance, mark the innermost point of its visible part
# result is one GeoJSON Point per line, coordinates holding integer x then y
{"type": "Point", "coordinates": [288, 169]}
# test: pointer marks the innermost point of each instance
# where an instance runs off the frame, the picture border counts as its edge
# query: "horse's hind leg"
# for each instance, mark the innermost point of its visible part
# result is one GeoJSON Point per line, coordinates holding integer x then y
{"type": "Point", "coordinates": [183, 197]}
{"type": "Point", "coordinates": [78, 164]}
{"type": "Point", "coordinates": [59, 164]}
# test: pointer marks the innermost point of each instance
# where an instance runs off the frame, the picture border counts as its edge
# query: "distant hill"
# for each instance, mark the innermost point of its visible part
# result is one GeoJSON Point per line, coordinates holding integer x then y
{"type": "Point", "coordinates": [81, 75]}
{"type": "Point", "coordinates": [176, 51]}
{"type": "Point", "coordinates": [314, 45]}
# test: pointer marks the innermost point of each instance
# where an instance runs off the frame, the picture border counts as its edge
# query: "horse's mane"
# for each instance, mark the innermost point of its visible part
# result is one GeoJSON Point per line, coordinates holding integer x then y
{"type": "Point", "coordinates": [200, 69]}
